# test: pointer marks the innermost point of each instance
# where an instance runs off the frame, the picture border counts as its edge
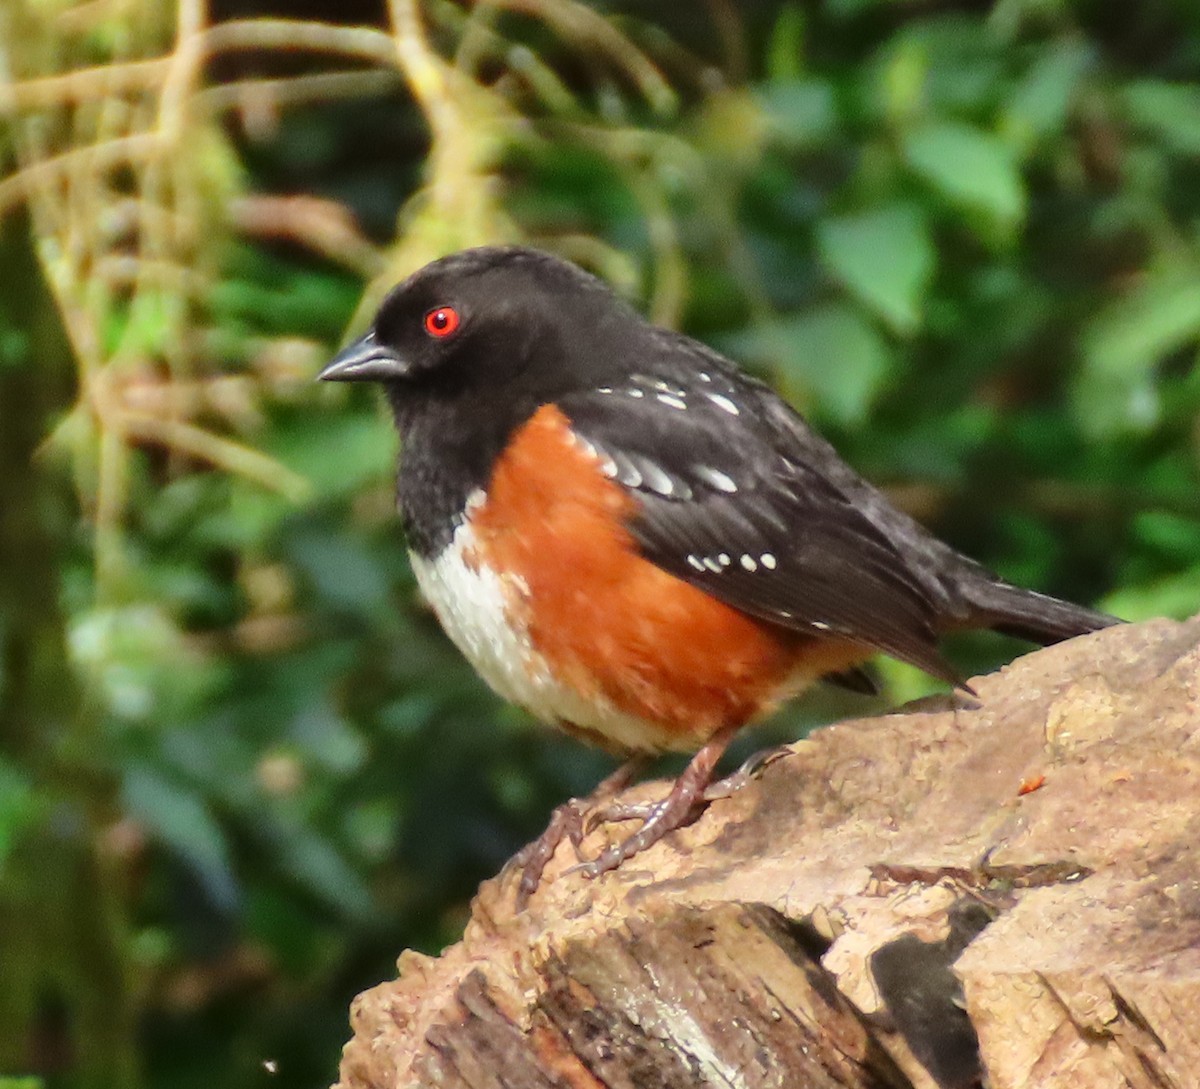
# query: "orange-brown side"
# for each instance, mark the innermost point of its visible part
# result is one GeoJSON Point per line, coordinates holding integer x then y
{"type": "Point", "coordinates": [612, 624]}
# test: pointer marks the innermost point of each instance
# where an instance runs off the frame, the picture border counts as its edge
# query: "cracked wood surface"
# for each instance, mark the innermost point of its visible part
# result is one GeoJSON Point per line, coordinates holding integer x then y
{"type": "Point", "coordinates": [884, 907]}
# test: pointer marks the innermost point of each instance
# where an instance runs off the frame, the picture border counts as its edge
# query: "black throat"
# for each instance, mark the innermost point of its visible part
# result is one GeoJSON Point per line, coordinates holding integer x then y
{"type": "Point", "coordinates": [449, 444]}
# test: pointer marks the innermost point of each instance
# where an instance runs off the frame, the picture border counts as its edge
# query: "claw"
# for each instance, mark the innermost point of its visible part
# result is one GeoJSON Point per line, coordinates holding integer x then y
{"type": "Point", "coordinates": [616, 812]}
{"type": "Point", "coordinates": [692, 791]}
{"type": "Point", "coordinates": [750, 770]}
{"type": "Point", "coordinates": [566, 822]}
{"type": "Point", "coordinates": [686, 801]}
{"type": "Point", "coordinates": [675, 811]}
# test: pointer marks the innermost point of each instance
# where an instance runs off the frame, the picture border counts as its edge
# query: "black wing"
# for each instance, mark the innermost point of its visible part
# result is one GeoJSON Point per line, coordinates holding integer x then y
{"type": "Point", "coordinates": [739, 497]}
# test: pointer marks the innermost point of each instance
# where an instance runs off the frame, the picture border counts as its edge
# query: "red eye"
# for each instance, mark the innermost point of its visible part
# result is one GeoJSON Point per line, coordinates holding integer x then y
{"type": "Point", "coordinates": [441, 321]}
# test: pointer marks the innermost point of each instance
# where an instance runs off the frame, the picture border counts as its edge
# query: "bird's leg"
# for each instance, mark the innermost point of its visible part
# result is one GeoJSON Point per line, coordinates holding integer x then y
{"type": "Point", "coordinates": [750, 769]}
{"type": "Point", "coordinates": [672, 812]}
{"type": "Point", "coordinates": [567, 822]}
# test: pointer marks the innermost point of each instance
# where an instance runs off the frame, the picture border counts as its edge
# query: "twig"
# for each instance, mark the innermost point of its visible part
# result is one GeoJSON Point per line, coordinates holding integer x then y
{"type": "Point", "coordinates": [322, 225]}
{"type": "Point", "coordinates": [670, 269]}
{"type": "Point", "coordinates": [70, 88]}
{"type": "Point", "coordinates": [120, 151]}
{"type": "Point", "coordinates": [295, 90]}
{"type": "Point", "coordinates": [423, 69]}
{"type": "Point", "coordinates": [595, 32]}
{"type": "Point", "coordinates": [284, 34]}
{"type": "Point", "coordinates": [221, 452]}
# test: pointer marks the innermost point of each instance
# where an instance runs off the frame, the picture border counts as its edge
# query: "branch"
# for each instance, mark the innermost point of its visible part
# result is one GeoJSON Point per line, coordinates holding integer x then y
{"type": "Point", "coordinates": [1007, 888]}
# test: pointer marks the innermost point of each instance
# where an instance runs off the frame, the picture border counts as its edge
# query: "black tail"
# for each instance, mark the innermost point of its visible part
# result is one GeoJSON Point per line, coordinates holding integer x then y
{"type": "Point", "coordinates": [1025, 614]}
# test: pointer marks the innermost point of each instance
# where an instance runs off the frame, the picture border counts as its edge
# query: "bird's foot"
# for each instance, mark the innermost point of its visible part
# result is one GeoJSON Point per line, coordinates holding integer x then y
{"type": "Point", "coordinates": [677, 809]}
{"type": "Point", "coordinates": [614, 811]}
{"type": "Point", "coordinates": [751, 769]}
{"type": "Point", "coordinates": [566, 822]}
{"type": "Point", "coordinates": [574, 819]}
{"type": "Point", "coordinates": [680, 807]}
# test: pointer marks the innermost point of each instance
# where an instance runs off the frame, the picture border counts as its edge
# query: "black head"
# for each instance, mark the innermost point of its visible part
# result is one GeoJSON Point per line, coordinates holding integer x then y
{"type": "Point", "coordinates": [467, 349]}
{"type": "Point", "coordinates": [494, 321]}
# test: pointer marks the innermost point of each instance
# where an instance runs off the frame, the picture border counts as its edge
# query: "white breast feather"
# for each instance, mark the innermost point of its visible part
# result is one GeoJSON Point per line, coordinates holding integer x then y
{"type": "Point", "coordinates": [475, 607]}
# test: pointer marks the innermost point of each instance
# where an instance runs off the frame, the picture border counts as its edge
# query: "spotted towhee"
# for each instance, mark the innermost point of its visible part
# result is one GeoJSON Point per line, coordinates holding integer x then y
{"type": "Point", "coordinates": [631, 538]}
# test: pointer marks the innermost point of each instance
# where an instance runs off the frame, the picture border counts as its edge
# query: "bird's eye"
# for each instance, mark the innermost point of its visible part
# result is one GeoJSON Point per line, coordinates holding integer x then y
{"type": "Point", "coordinates": [441, 321]}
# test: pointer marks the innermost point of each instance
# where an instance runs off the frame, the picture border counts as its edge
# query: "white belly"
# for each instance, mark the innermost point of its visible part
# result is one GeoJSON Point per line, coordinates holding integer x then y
{"type": "Point", "coordinates": [480, 612]}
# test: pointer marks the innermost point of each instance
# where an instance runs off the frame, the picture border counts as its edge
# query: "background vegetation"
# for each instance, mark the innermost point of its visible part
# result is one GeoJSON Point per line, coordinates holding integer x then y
{"type": "Point", "coordinates": [240, 768]}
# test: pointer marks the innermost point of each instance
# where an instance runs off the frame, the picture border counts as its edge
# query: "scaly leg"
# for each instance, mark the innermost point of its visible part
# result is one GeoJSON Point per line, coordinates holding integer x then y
{"type": "Point", "coordinates": [566, 822]}
{"type": "Point", "coordinates": [750, 769]}
{"type": "Point", "coordinates": [671, 813]}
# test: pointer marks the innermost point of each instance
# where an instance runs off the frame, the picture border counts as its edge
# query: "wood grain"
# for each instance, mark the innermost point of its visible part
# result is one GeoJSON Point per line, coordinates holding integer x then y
{"type": "Point", "coordinates": [883, 907]}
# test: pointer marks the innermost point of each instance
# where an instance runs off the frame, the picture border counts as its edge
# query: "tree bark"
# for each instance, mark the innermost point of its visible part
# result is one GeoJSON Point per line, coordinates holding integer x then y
{"type": "Point", "coordinates": [66, 985]}
{"type": "Point", "coordinates": [1002, 892]}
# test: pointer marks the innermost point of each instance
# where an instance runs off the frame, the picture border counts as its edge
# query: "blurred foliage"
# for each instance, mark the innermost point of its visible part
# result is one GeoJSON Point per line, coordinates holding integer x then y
{"type": "Point", "coordinates": [241, 768]}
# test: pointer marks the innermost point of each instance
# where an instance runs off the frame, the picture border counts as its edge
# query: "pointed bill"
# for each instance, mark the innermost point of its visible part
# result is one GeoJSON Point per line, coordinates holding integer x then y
{"type": "Point", "coordinates": [366, 360]}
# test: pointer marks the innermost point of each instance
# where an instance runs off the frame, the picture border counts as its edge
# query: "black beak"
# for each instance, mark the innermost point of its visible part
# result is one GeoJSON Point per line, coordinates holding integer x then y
{"type": "Point", "coordinates": [366, 360]}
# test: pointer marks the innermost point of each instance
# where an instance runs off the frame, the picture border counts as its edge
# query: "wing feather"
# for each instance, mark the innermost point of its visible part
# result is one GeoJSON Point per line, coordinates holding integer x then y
{"type": "Point", "coordinates": [738, 497]}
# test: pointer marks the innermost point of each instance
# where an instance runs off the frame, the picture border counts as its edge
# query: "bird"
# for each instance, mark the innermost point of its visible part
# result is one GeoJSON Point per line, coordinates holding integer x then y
{"type": "Point", "coordinates": [635, 540]}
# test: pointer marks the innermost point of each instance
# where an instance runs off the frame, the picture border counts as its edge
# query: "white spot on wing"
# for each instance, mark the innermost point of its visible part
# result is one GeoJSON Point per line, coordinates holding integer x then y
{"type": "Point", "coordinates": [723, 402]}
{"type": "Point", "coordinates": [723, 482]}
{"type": "Point", "coordinates": [768, 561]}
{"type": "Point", "coordinates": [694, 562]}
{"type": "Point", "coordinates": [672, 402]}
{"type": "Point", "coordinates": [657, 480]}
{"type": "Point", "coordinates": [748, 563]}
{"type": "Point", "coordinates": [628, 473]}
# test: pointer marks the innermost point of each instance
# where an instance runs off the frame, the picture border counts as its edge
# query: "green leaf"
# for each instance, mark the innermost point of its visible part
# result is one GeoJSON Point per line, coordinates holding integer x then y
{"type": "Point", "coordinates": [1116, 389]}
{"type": "Point", "coordinates": [1041, 102]}
{"type": "Point", "coordinates": [1174, 536]}
{"type": "Point", "coordinates": [799, 112]}
{"type": "Point", "coordinates": [20, 807]}
{"type": "Point", "coordinates": [180, 818]}
{"type": "Point", "coordinates": [973, 169]}
{"type": "Point", "coordinates": [338, 452]}
{"type": "Point", "coordinates": [326, 738]}
{"type": "Point", "coordinates": [151, 323]}
{"type": "Point", "coordinates": [852, 9]}
{"type": "Point", "coordinates": [786, 46]}
{"type": "Point", "coordinates": [137, 660]}
{"type": "Point", "coordinates": [1170, 110]}
{"type": "Point", "coordinates": [16, 347]}
{"type": "Point", "coordinates": [830, 355]}
{"type": "Point", "coordinates": [1175, 595]}
{"type": "Point", "coordinates": [903, 78]}
{"type": "Point", "coordinates": [885, 257]}
{"type": "Point", "coordinates": [316, 864]}
{"type": "Point", "coordinates": [946, 66]}
{"type": "Point", "coordinates": [343, 570]}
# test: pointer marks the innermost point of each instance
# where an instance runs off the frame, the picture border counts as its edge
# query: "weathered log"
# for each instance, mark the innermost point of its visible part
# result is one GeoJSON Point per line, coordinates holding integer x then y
{"type": "Point", "coordinates": [1005, 889]}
